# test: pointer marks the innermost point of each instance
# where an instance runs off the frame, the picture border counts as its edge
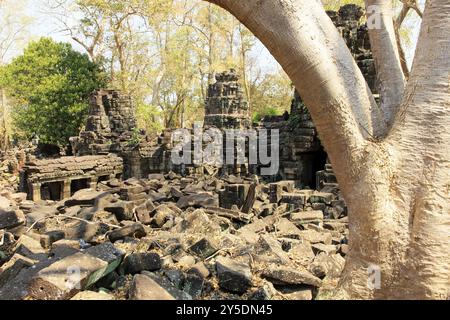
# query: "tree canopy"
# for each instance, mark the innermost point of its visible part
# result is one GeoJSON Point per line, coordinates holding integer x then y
{"type": "Point", "coordinates": [50, 83]}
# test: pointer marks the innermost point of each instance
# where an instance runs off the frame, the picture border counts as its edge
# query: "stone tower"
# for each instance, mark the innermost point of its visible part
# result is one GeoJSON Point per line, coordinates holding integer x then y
{"type": "Point", "coordinates": [110, 121]}
{"type": "Point", "coordinates": [226, 107]}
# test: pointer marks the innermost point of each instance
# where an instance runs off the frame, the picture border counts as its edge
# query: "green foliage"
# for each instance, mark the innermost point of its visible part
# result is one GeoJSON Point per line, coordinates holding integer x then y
{"type": "Point", "coordinates": [270, 111]}
{"type": "Point", "coordinates": [148, 118]}
{"type": "Point", "coordinates": [135, 138]}
{"type": "Point", "coordinates": [50, 84]}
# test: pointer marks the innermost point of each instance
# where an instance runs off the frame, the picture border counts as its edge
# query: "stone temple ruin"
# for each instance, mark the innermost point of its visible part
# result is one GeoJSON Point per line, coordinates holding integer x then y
{"type": "Point", "coordinates": [51, 179]}
{"type": "Point", "coordinates": [122, 151]}
{"type": "Point", "coordinates": [146, 228]}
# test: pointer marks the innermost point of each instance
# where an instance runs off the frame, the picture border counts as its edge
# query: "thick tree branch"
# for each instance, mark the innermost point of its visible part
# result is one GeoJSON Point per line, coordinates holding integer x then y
{"type": "Point", "coordinates": [386, 55]}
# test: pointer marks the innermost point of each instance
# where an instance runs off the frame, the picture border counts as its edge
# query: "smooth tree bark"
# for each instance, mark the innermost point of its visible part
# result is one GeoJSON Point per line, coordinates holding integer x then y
{"type": "Point", "coordinates": [391, 161]}
{"type": "Point", "coordinates": [383, 40]}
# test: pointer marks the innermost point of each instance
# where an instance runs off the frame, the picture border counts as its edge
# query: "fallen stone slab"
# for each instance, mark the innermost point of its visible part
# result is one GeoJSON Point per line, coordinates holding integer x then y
{"type": "Point", "coordinates": [268, 249]}
{"type": "Point", "coordinates": [204, 248]}
{"type": "Point", "coordinates": [229, 214]}
{"type": "Point", "coordinates": [265, 292]}
{"type": "Point", "coordinates": [294, 200]}
{"type": "Point", "coordinates": [5, 203]}
{"type": "Point", "coordinates": [198, 201]}
{"type": "Point", "coordinates": [285, 228]}
{"type": "Point", "coordinates": [11, 268]}
{"type": "Point", "coordinates": [193, 285]}
{"type": "Point", "coordinates": [143, 214]}
{"type": "Point", "coordinates": [161, 215]}
{"type": "Point", "coordinates": [137, 262]}
{"type": "Point", "coordinates": [289, 276]}
{"type": "Point", "coordinates": [200, 269]}
{"type": "Point", "coordinates": [30, 247]}
{"type": "Point", "coordinates": [11, 218]}
{"type": "Point", "coordinates": [145, 288]}
{"type": "Point", "coordinates": [156, 176]}
{"type": "Point", "coordinates": [302, 217]}
{"type": "Point", "coordinates": [233, 276]}
{"type": "Point", "coordinates": [302, 253]}
{"type": "Point", "coordinates": [84, 197]}
{"type": "Point", "coordinates": [66, 277]}
{"type": "Point", "coordinates": [250, 199]}
{"type": "Point", "coordinates": [135, 230]}
{"type": "Point", "coordinates": [75, 230]}
{"type": "Point", "coordinates": [314, 236]}
{"type": "Point", "coordinates": [65, 247]}
{"type": "Point", "coordinates": [168, 286]}
{"type": "Point", "coordinates": [327, 249]}
{"type": "Point", "coordinates": [198, 222]}
{"type": "Point", "coordinates": [123, 210]}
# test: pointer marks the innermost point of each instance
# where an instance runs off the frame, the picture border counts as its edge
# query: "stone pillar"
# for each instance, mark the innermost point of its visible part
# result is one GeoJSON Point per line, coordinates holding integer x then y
{"type": "Point", "coordinates": [35, 191]}
{"type": "Point", "coordinates": [66, 189]}
{"type": "Point", "coordinates": [93, 183]}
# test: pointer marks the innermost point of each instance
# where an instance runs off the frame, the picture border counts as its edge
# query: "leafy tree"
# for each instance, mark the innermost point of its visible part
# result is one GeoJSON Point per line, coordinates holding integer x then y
{"type": "Point", "coordinates": [50, 84]}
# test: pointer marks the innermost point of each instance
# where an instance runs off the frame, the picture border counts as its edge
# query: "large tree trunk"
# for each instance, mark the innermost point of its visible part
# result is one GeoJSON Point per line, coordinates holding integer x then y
{"type": "Point", "coordinates": [392, 163]}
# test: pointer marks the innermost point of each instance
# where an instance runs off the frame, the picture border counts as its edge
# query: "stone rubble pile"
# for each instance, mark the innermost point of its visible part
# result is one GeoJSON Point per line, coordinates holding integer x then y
{"type": "Point", "coordinates": [11, 162]}
{"type": "Point", "coordinates": [172, 237]}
